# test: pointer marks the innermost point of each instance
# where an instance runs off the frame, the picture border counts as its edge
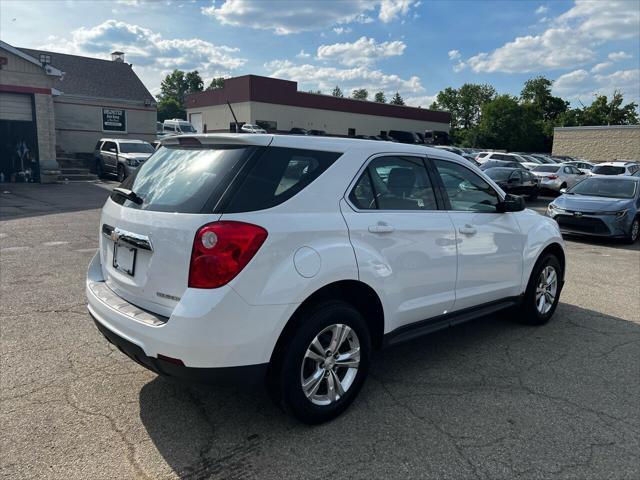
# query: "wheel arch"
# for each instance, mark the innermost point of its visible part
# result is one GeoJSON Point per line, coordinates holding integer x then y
{"type": "Point", "coordinates": [355, 292]}
{"type": "Point", "coordinates": [557, 250]}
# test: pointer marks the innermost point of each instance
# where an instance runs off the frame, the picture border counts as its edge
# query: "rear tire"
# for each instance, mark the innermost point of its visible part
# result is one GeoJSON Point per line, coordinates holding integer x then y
{"type": "Point", "coordinates": [543, 291]}
{"type": "Point", "coordinates": [533, 196]}
{"type": "Point", "coordinates": [121, 173]}
{"type": "Point", "coordinates": [315, 377]}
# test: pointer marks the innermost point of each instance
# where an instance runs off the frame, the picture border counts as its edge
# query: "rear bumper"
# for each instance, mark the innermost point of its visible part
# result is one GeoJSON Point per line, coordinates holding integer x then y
{"type": "Point", "coordinates": [208, 330]}
{"type": "Point", "coordinates": [249, 375]}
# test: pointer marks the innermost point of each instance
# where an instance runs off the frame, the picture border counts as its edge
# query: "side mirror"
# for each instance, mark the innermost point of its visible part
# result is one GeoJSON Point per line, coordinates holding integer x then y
{"type": "Point", "coordinates": [511, 203]}
{"type": "Point", "coordinates": [580, 172]}
{"type": "Point", "coordinates": [563, 190]}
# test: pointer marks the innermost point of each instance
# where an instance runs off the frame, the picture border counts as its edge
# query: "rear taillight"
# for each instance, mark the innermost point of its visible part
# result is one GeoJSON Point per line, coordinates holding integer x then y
{"type": "Point", "coordinates": [552, 177]}
{"type": "Point", "coordinates": [221, 250]}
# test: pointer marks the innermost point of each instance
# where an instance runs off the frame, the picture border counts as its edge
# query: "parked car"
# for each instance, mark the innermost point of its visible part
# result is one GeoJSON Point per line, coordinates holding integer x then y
{"type": "Point", "coordinates": [582, 165]}
{"type": "Point", "coordinates": [177, 127]}
{"type": "Point", "coordinates": [508, 157]}
{"type": "Point", "coordinates": [244, 269]}
{"type": "Point", "coordinates": [557, 177]}
{"type": "Point", "coordinates": [543, 158]}
{"type": "Point", "coordinates": [385, 136]}
{"type": "Point", "coordinates": [515, 180]}
{"type": "Point", "coordinates": [451, 148]}
{"type": "Point", "coordinates": [500, 163]}
{"type": "Point", "coordinates": [405, 137]}
{"type": "Point", "coordinates": [120, 157]}
{"type": "Point", "coordinates": [298, 131]}
{"type": "Point", "coordinates": [471, 158]}
{"type": "Point", "coordinates": [600, 205]}
{"type": "Point", "coordinates": [319, 133]}
{"type": "Point", "coordinates": [615, 168]}
{"type": "Point", "coordinates": [251, 128]}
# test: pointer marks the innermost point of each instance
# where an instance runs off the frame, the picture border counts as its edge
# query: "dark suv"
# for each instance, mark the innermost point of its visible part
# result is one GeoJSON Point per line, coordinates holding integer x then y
{"type": "Point", "coordinates": [405, 137]}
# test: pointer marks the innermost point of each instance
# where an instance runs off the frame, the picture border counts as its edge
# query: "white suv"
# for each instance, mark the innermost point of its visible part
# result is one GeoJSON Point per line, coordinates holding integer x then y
{"type": "Point", "coordinates": [290, 259]}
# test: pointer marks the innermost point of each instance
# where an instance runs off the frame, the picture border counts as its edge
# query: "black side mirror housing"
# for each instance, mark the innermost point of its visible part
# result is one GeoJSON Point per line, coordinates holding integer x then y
{"type": "Point", "coordinates": [511, 203]}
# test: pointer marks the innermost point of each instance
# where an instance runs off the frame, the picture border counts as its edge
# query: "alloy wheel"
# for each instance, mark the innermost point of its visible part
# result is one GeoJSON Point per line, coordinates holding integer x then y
{"type": "Point", "coordinates": [635, 230]}
{"type": "Point", "coordinates": [330, 364]}
{"type": "Point", "coordinates": [547, 289]}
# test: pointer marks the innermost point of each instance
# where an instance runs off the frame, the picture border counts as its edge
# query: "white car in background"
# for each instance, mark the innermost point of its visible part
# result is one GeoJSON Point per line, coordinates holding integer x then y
{"type": "Point", "coordinates": [251, 128]}
{"type": "Point", "coordinates": [582, 165]}
{"type": "Point", "coordinates": [616, 168]}
{"type": "Point", "coordinates": [557, 177]}
{"type": "Point", "coordinates": [506, 157]}
{"type": "Point", "coordinates": [289, 259]}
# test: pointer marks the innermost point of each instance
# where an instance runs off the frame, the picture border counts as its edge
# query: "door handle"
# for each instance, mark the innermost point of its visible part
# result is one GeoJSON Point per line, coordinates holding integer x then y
{"type": "Point", "coordinates": [467, 230]}
{"type": "Point", "coordinates": [381, 228]}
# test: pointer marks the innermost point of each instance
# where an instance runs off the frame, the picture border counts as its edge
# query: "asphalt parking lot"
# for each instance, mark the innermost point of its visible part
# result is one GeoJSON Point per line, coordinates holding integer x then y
{"type": "Point", "coordinates": [489, 400]}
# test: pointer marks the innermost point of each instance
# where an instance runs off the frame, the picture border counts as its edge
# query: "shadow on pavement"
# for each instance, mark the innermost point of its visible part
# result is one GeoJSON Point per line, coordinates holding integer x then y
{"type": "Point", "coordinates": [480, 399]}
{"type": "Point", "coordinates": [21, 200]}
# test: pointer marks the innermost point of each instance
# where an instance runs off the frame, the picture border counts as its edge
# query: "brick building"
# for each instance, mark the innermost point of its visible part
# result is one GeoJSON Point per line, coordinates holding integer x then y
{"type": "Point", "coordinates": [52, 102]}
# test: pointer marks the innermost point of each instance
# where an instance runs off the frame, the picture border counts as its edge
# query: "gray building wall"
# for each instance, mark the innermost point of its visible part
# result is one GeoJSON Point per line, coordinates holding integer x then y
{"type": "Point", "coordinates": [79, 122]}
{"type": "Point", "coordinates": [598, 144]}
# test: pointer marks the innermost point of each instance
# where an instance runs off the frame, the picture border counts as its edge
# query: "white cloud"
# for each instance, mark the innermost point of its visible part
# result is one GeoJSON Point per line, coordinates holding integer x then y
{"type": "Point", "coordinates": [454, 54]}
{"type": "Point", "coordinates": [341, 30]}
{"type": "Point", "coordinates": [616, 56]}
{"type": "Point", "coordinates": [149, 50]}
{"type": "Point", "coordinates": [459, 66]}
{"type": "Point", "coordinates": [392, 9]}
{"type": "Point", "coordinates": [555, 48]}
{"type": "Point", "coordinates": [284, 19]}
{"type": "Point", "coordinates": [364, 51]}
{"type": "Point", "coordinates": [569, 41]}
{"type": "Point", "coordinates": [303, 54]}
{"type": "Point", "coordinates": [423, 101]}
{"type": "Point", "coordinates": [326, 78]}
{"type": "Point", "coordinates": [542, 9]}
{"type": "Point", "coordinates": [600, 67]}
{"type": "Point", "coordinates": [579, 84]}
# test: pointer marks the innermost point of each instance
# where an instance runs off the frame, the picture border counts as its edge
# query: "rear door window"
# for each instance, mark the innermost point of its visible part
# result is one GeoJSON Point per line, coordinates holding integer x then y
{"type": "Point", "coordinates": [275, 176]}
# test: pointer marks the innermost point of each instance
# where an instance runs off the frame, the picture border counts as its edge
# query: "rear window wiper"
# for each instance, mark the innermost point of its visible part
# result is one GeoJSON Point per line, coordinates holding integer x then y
{"type": "Point", "coordinates": [129, 195]}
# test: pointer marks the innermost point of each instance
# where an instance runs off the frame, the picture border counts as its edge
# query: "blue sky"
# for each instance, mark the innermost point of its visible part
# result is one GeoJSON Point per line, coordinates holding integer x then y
{"type": "Point", "coordinates": [416, 47]}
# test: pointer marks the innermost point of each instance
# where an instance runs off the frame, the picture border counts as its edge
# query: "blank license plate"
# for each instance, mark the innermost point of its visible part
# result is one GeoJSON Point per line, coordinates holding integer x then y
{"type": "Point", "coordinates": [124, 259]}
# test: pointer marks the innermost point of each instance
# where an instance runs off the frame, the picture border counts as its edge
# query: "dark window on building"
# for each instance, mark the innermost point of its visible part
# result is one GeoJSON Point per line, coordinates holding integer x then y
{"type": "Point", "coordinates": [352, 132]}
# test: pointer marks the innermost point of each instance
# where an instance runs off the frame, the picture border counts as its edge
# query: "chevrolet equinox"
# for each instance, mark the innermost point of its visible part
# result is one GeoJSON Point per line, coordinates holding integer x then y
{"type": "Point", "coordinates": [287, 260]}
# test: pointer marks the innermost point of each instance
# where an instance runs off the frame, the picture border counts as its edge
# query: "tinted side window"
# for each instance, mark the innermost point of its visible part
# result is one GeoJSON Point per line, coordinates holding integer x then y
{"type": "Point", "coordinates": [109, 147]}
{"type": "Point", "coordinates": [466, 190]}
{"type": "Point", "coordinates": [517, 175]}
{"type": "Point", "coordinates": [362, 195]}
{"type": "Point", "coordinates": [401, 183]}
{"type": "Point", "coordinates": [276, 176]}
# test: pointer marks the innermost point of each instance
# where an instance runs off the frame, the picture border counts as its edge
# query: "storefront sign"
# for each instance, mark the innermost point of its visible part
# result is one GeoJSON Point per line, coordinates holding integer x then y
{"type": "Point", "coordinates": [114, 120]}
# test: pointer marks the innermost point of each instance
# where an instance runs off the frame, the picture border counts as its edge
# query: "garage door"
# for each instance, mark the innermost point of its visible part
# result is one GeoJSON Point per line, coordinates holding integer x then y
{"type": "Point", "coordinates": [15, 106]}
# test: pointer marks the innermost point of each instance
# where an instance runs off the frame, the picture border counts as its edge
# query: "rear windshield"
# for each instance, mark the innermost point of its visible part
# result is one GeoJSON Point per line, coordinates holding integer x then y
{"type": "Point", "coordinates": [182, 179]}
{"type": "Point", "coordinates": [136, 148]}
{"type": "Point", "coordinates": [498, 173]}
{"type": "Point", "coordinates": [606, 187]}
{"type": "Point", "coordinates": [223, 179]}
{"type": "Point", "coordinates": [608, 170]}
{"type": "Point", "coordinates": [546, 168]}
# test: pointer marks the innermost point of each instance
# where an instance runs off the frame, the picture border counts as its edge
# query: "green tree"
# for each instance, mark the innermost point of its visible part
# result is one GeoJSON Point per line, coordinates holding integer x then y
{"type": "Point", "coordinates": [397, 99]}
{"type": "Point", "coordinates": [380, 98]}
{"type": "Point", "coordinates": [317, 92]}
{"type": "Point", "coordinates": [216, 82]}
{"type": "Point", "coordinates": [360, 94]}
{"type": "Point", "coordinates": [194, 82]}
{"type": "Point", "coordinates": [178, 84]}
{"type": "Point", "coordinates": [337, 92]}
{"type": "Point", "coordinates": [170, 108]}
{"type": "Point", "coordinates": [605, 112]}
{"type": "Point", "coordinates": [505, 123]}
{"type": "Point", "coordinates": [465, 104]}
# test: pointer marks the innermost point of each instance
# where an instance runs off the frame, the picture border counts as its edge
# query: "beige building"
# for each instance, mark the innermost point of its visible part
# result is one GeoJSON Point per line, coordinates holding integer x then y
{"type": "Point", "coordinates": [278, 106]}
{"type": "Point", "coordinates": [598, 144]}
{"type": "Point", "coordinates": [54, 105]}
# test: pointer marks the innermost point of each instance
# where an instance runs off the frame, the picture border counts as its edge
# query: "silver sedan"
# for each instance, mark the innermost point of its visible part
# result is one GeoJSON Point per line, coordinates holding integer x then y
{"type": "Point", "coordinates": [557, 177]}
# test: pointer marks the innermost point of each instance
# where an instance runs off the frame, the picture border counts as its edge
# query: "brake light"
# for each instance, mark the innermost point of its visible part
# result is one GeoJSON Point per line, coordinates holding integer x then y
{"type": "Point", "coordinates": [221, 250]}
{"type": "Point", "coordinates": [552, 177]}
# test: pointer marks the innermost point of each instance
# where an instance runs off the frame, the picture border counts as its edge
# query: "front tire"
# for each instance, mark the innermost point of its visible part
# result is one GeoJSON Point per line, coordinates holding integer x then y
{"type": "Point", "coordinates": [634, 231]}
{"type": "Point", "coordinates": [324, 363]}
{"type": "Point", "coordinates": [543, 291]}
{"type": "Point", "coordinates": [533, 196]}
{"type": "Point", "coordinates": [121, 173]}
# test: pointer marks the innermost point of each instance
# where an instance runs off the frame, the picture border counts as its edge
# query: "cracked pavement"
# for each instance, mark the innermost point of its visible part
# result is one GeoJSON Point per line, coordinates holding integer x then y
{"type": "Point", "coordinates": [489, 399]}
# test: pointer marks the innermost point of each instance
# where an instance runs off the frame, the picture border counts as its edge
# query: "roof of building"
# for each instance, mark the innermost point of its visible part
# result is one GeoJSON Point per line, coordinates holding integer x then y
{"type": "Point", "coordinates": [93, 77]}
{"type": "Point", "coordinates": [285, 92]}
